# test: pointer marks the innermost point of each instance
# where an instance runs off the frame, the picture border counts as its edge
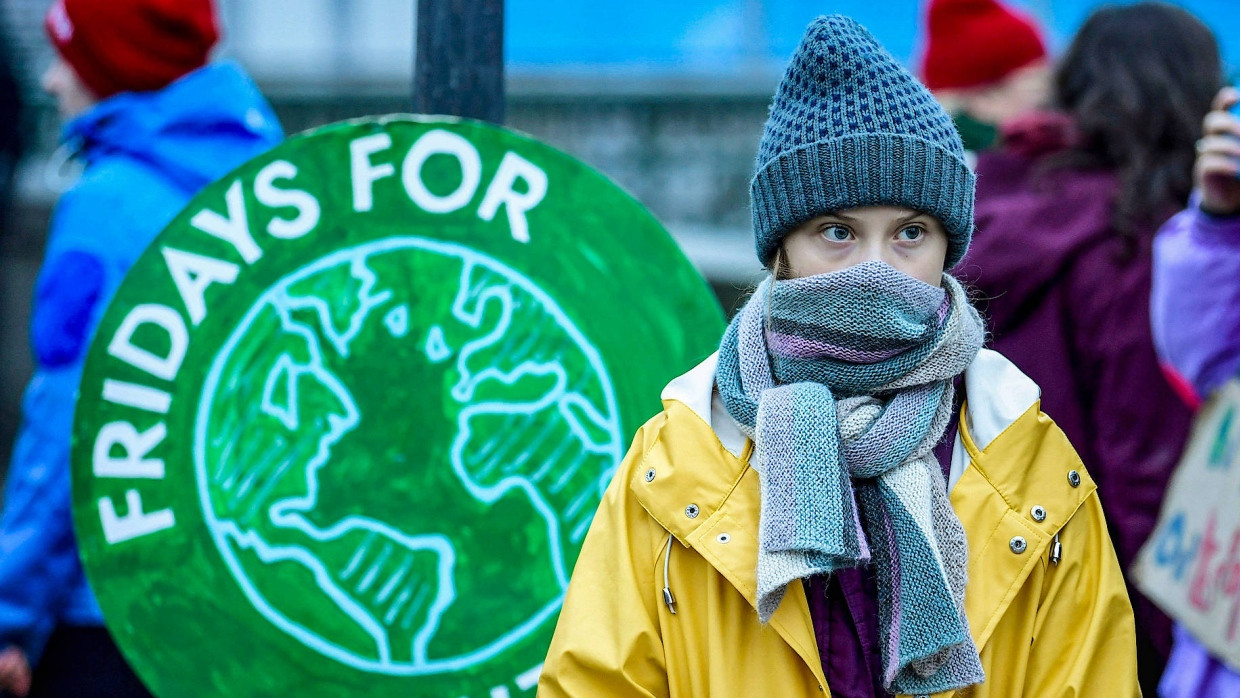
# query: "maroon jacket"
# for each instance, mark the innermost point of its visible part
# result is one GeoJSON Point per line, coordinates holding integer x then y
{"type": "Point", "coordinates": [1072, 311]}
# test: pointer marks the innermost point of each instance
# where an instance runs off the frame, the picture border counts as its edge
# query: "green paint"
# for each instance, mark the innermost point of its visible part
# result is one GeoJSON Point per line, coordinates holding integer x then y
{"type": "Point", "coordinates": [1222, 450]}
{"type": "Point", "coordinates": [405, 383]}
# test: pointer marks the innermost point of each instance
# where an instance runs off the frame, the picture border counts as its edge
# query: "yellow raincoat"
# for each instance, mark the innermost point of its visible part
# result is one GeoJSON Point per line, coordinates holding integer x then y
{"type": "Point", "coordinates": [682, 515]}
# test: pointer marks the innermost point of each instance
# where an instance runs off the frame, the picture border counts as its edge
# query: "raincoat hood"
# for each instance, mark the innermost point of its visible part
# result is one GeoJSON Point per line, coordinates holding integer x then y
{"type": "Point", "coordinates": [213, 115]}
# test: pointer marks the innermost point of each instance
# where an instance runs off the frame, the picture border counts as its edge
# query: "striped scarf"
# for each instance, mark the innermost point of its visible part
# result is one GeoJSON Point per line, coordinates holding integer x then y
{"type": "Point", "coordinates": [844, 383]}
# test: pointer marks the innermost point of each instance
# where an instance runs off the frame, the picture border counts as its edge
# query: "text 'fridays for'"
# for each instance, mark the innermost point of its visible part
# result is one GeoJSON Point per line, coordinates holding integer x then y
{"type": "Point", "coordinates": [123, 451]}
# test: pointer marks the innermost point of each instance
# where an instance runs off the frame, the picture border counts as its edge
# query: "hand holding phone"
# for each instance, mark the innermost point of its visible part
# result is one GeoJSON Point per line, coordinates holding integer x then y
{"type": "Point", "coordinates": [1217, 170]}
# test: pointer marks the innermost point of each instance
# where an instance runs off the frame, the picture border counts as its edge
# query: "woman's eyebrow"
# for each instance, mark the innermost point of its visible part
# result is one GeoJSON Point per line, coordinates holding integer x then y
{"type": "Point", "coordinates": [841, 216]}
{"type": "Point", "coordinates": [910, 217]}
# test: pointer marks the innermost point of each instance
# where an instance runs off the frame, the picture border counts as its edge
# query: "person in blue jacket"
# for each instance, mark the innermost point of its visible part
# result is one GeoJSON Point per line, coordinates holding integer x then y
{"type": "Point", "coordinates": [153, 123]}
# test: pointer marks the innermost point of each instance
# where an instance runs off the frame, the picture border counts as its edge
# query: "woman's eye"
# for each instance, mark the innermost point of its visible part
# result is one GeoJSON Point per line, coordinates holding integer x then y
{"type": "Point", "coordinates": [836, 233]}
{"type": "Point", "coordinates": [912, 232]}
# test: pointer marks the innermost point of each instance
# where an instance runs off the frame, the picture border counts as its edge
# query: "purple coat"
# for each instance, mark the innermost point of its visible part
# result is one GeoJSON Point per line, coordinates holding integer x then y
{"type": "Point", "coordinates": [1071, 310]}
{"type": "Point", "coordinates": [1196, 313]}
{"type": "Point", "coordinates": [1196, 300]}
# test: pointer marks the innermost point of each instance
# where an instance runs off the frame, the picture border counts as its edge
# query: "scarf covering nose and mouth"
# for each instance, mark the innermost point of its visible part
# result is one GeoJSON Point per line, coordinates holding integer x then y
{"type": "Point", "coordinates": [844, 383]}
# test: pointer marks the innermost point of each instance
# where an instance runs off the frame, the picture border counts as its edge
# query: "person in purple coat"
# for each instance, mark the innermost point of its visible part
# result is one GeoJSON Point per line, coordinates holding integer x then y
{"type": "Point", "coordinates": [1196, 316]}
{"type": "Point", "coordinates": [1067, 208]}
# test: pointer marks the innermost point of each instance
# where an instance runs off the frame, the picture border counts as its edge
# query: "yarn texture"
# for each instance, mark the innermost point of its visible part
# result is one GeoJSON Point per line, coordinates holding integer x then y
{"type": "Point", "coordinates": [849, 127]}
{"type": "Point", "coordinates": [844, 383]}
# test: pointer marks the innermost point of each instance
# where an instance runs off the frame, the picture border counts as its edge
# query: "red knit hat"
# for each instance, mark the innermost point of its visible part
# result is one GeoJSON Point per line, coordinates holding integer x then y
{"type": "Point", "coordinates": [132, 45]}
{"type": "Point", "coordinates": [977, 42]}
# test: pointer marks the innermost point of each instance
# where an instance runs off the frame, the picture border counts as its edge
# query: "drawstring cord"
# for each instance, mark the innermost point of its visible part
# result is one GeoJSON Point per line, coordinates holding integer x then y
{"type": "Point", "coordinates": [668, 598]}
{"type": "Point", "coordinates": [63, 168]}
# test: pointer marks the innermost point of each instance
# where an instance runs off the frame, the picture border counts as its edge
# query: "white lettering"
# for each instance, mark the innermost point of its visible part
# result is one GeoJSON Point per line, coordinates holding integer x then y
{"type": "Point", "coordinates": [364, 173]}
{"type": "Point", "coordinates": [137, 396]}
{"type": "Point", "coordinates": [193, 273]}
{"type": "Point", "coordinates": [529, 678]}
{"type": "Point", "coordinates": [169, 321]}
{"type": "Point", "coordinates": [440, 142]}
{"type": "Point", "coordinates": [235, 229]}
{"type": "Point", "coordinates": [271, 196]}
{"type": "Point", "coordinates": [135, 446]}
{"type": "Point", "coordinates": [501, 192]}
{"type": "Point", "coordinates": [133, 524]}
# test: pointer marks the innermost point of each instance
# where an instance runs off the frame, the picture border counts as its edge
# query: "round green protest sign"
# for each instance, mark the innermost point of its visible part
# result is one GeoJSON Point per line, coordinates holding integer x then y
{"type": "Point", "coordinates": [345, 424]}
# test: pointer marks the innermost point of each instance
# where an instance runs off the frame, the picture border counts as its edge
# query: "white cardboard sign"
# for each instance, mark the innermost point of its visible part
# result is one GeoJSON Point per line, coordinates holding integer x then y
{"type": "Point", "coordinates": [1191, 564]}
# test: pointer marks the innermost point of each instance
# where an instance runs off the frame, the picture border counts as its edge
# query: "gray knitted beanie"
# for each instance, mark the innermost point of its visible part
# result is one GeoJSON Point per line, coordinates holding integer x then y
{"type": "Point", "coordinates": [851, 127]}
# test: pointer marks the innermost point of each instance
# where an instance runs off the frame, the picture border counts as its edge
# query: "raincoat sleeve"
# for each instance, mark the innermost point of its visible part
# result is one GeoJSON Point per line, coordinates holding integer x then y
{"type": "Point", "coordinates": [608, 641]}
{"type": "Point", "coordinates": [1084, 636]}
{"type": "Point", "coordinates": [1130, 451]}
{"type": "Point", "coordinates": [1196, 297]}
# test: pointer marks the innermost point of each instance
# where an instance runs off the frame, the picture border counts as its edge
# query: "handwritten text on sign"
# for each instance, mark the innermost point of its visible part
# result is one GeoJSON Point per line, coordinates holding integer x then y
{"type": "Point", "coordinates": [1191, 564]}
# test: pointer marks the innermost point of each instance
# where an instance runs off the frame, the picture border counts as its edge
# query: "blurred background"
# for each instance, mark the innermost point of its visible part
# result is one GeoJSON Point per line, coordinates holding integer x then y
{"type": "Point", "coordinates": [668, 98]}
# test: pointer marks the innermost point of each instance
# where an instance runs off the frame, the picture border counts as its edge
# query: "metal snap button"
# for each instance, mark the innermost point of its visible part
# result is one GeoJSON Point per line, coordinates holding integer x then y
{"type": "Point", "coordinates": [724, 538]}
{"type": "Point", "coordinates": [1018, 544]}
{"type": "Point", "coordinates": [650, 475]}
{"type": "Point", "coordinates": [1074, 478]}
{"type": "Point", "coordinates": [691, 511]}
{"type": "Point", "coordinates": [1038, 513]}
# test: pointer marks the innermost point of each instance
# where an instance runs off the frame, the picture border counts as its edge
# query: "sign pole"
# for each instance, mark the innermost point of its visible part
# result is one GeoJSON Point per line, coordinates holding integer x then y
{"type": "Point", "coordinates": [458, 65]}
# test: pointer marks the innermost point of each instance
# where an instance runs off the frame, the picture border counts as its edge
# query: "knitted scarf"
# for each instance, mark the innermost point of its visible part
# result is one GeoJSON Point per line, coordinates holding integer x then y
{"type": "Point", "coordinates": [844, 383]}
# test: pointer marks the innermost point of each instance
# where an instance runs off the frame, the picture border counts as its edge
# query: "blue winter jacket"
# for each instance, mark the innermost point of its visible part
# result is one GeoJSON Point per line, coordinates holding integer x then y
{"type": "Point", "coordinates": [146, 154]}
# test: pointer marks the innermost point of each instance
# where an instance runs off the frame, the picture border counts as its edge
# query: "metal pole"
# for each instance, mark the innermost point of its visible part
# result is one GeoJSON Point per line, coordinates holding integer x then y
{"type": "Point", "coordinates": [458, 66]}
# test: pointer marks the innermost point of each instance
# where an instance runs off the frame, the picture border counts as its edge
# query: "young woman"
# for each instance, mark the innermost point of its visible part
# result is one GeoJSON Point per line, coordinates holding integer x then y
{"type": "Point", "coordinates": [1066, 214]}
{"type": "Point", "coordinates": [1196, 313]}
{"type": "Point", "coordinates": [789, 526]}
